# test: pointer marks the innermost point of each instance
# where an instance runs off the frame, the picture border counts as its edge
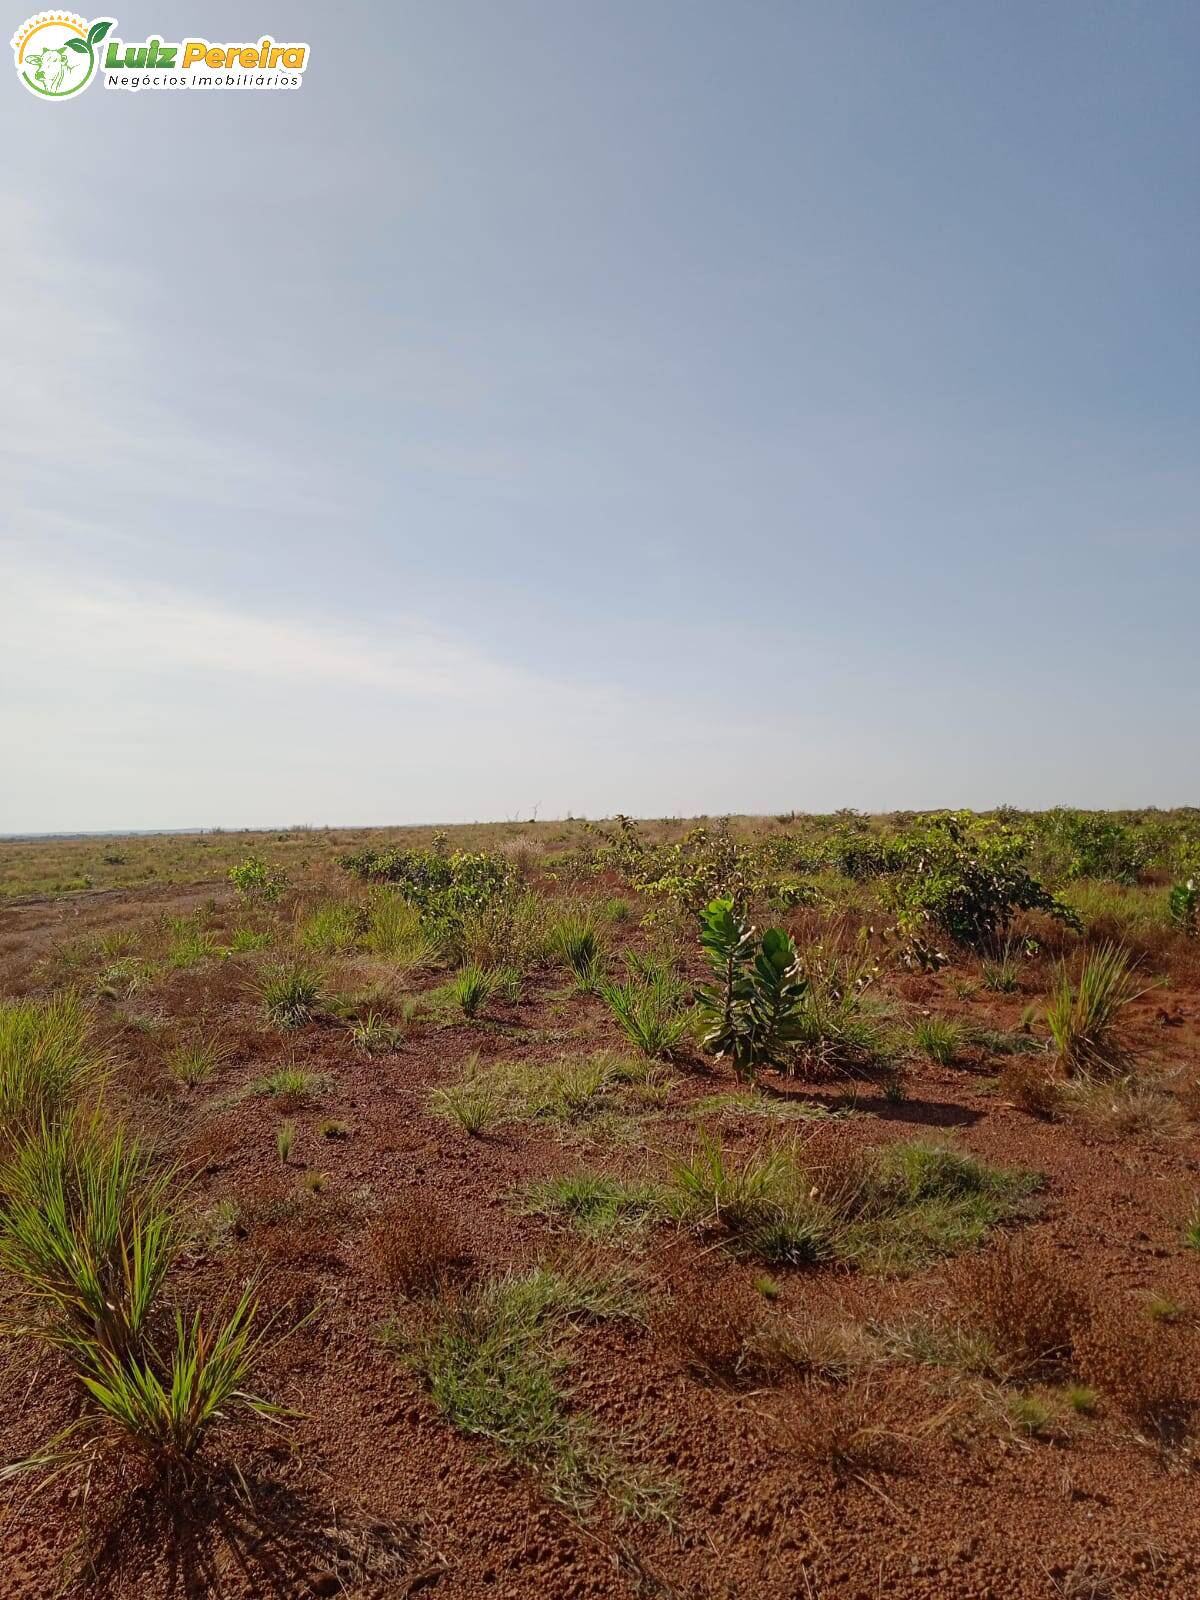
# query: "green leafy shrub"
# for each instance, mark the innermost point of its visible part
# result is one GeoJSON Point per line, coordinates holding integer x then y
{"type": "Point", "coordinates": [755, 1002]}
{"type": "Point", "coordinates": [1094, 844]}
{"type": "Point", "coordinates": [1183, 906]}
{"type": "Point", "coordinates": [443, 886]}
{"type": "Point", "coordinates": [258, 882]}
{"type": "Point", "coordinates": [966, 877]}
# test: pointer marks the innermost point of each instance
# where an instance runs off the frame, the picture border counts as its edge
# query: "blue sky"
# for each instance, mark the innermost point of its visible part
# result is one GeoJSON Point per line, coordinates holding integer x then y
{"type": "Point", "coordinates": [670, 408]}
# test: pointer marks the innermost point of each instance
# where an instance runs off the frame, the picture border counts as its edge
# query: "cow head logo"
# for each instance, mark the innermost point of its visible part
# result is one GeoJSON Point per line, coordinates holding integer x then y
{"type": "Point", "coordinates": [57, 53]}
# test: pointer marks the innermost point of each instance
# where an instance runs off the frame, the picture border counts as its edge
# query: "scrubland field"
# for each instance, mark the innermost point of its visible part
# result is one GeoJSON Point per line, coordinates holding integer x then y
{"type": "Point", "coordinates": [761, 1208]}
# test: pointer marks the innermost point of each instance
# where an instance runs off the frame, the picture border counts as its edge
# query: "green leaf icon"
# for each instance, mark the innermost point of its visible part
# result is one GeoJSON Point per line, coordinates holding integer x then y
{"type": "Point", "coordinates": [97, 31]}
{"type": "Point", "coordinates": [77, 44]}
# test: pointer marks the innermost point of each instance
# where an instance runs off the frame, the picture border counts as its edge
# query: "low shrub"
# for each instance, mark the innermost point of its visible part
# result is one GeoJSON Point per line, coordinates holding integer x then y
{"type": "Point", "coordinates": [712, 1329]}
{"type": "Point", "coordinates": [1140, 1365]}
{"type": "Point", "coordinates": [1027, 1082]}
{"type": "Point", "coordinates": [1027, 1302]}
{"type": "Point", "coordinates": [965, 877]}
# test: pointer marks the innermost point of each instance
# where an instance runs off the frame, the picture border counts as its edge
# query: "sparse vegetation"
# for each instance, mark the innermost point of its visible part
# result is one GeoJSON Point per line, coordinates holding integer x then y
{"type": "Point", "coordinates": [572, 1238]}
{"type": "Point", "coordinates": [494, 1364]}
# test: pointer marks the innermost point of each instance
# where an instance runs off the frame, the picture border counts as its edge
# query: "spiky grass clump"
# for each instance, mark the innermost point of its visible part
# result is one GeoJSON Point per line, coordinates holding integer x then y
{"type": "Point", "coordinates": [47, 1062]}
{"type": "Point", "coordinates": [89, 1233]}
{"type": "Point", "coordinates": [375, 1035]}
{"type": "Point", "coordinates": [473, 988]}
{"type": "Point", "coordinates": [164, 1406]}
{"type": "Point", "coordinates": [650, 1015]}
{"type": "Point", "coordinates": [394, 931]}
{"type": "Point", "coordinates": [577, 939]}
{"type": "Point", "coordinates": [290, 995]}
{"type": "Point", "coordinates": [195, 1061]}
{"type": "Point", "coordinates": [89, 1230]}
{"type": "Point", "coordinates": [835, 1026]}
{"type": "Point", "coordinates": [939, 1038]}
{"type": "Point", "coordinates": [477, 1102]}
{"type": "Point", "coordinates": [290, 1087]}
{"type": "Point", "coordinates": [188, 943]}
{"type": "Point", "coordinates": [1083, 1017]}
{"type": "Point", "coordinates": [334, 928]}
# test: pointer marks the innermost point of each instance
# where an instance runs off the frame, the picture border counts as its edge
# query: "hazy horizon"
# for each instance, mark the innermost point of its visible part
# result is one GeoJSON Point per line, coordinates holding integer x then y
{"type": "Point", "coordinates": [664, 410]}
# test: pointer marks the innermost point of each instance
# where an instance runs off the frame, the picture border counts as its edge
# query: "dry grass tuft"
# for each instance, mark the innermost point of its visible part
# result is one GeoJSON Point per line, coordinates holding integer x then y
{"type": "Point", "coordinates": [1030, 1308]}
{"type": "Point", "coordinates": [712, 1328]}
{"type": "Point", "coordinates": [416, 1248]}
{"type": "Point", "coordinates": [853, 1430]}
{"type": "Point", "coordinates": [1028, 1083]}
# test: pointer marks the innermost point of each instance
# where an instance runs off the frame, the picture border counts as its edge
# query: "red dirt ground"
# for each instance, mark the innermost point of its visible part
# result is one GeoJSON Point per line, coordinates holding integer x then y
{"type": "Point", "coordinates": [371, 1493]}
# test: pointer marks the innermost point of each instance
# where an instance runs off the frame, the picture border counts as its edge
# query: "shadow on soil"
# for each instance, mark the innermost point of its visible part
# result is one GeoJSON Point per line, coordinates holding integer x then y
{"type": "Point", "coordinates": [254, 1536]}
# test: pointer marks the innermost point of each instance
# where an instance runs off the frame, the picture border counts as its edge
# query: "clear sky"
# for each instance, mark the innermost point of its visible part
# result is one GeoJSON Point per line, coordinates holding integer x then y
{"type": "Point", "coordinates": [665, 406]}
